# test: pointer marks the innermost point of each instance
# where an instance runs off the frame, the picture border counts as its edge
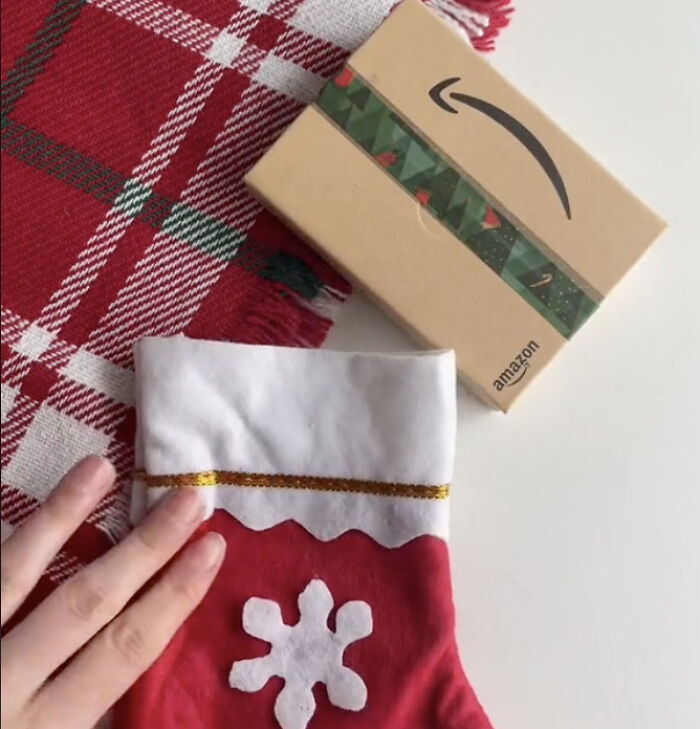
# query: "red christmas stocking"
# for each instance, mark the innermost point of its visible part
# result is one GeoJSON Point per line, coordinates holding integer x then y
{"type": "Point", "coordinates": [327, 473]}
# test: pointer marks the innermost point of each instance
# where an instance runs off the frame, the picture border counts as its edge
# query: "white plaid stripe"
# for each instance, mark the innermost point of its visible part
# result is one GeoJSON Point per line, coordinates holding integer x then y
{"type": "Point", "coordinates": [55, 434]}
{"type": "Point", "coordinates": [18, 418]}
{"type": "Point", "coordinates": [102, 376]}
{"type": "Point", "coordinates": [224, 45]}
{"type": "Point", "coordinates": [34, 342]}
{"type": "Point", "coordinates": [17, 505]}
{"type": "Point", "coordinates": [164, 20]}
{"type": "Point", "coordinates": [345, 24]}
{"type": "Point", "coordinates": [16, 367]}
{"type": "Point", "coordinates": [13, 325]}
{"type": "Point", "coordinates": [86, 405]}
{"type": "Point", "coordinates": [8, 397]}
{"type": "Point", "coordinates": [305, 50]}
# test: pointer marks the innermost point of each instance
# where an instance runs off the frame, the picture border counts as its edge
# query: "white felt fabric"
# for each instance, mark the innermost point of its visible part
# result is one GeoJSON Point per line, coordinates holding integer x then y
{"type": "Point", "coordinates": [304, 654]}
{"type": "Point", "coordinates": [275, 410]}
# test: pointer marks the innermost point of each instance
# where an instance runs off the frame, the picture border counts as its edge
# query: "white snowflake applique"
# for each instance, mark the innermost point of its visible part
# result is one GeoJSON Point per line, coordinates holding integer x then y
{"type": "Point", "coordinates": [305, 653]}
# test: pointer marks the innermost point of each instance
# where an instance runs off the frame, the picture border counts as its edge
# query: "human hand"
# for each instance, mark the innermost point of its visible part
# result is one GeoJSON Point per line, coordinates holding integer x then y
{"type": "Point", "coordinates": [88, 613]}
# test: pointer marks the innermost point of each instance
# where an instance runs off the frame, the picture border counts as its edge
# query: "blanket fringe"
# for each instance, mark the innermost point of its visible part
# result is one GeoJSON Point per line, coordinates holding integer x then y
{"type": "Point", "coordinates": [282, 317]}
{"type": "Point", "coordinates": [480, 20]}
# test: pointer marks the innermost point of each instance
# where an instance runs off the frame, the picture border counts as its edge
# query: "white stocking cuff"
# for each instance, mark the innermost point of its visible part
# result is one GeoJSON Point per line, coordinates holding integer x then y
{"type": "Point", "coordinates": [333, 440]}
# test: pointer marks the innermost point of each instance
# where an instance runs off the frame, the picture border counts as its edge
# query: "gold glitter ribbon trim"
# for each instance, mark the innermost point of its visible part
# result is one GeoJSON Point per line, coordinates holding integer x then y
{"type": "Point", "coordinates": [307, 483]}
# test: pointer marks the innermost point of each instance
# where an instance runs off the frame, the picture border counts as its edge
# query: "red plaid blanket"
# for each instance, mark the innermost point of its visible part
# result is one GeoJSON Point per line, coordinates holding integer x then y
{"type": "Point", "coordinates": [126, 128]}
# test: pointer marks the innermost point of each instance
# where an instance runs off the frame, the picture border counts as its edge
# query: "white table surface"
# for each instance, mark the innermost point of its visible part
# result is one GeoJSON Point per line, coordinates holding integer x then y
{"type": "Point", "coordinates": [576, 517]}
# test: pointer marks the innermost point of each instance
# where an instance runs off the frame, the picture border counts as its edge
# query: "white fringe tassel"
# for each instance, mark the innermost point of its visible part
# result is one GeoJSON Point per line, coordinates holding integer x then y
{"type": "Point", "coordinates": [468, 21]}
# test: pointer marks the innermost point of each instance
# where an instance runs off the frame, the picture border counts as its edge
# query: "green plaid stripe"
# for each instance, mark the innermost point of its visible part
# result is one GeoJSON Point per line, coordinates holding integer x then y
{"type": "Point", "coordinates": [39, 52]}
{"type": "Point", "coordinates": [181, 221]}
{"type": "Point", "coordinates": [443, 190]}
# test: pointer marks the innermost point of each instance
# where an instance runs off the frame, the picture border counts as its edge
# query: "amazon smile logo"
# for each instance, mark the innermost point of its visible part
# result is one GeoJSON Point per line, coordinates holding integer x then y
{"type": "Point", "coordinates": [439, 94]}
{"type": "Point", "coordinates": [518, 368]}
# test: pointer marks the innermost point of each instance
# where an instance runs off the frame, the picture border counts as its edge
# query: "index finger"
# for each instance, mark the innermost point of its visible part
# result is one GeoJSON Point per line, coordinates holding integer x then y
{"type": "Point", "coordinates": [72, 614]}
{"type": "Point", "coordinates": [120, 653]}
{"type": "Point", "coordinates": [28, 551]}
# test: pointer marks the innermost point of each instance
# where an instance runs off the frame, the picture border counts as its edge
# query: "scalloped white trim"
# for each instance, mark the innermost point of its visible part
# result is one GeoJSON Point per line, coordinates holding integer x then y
{"type": "Point", "coordinates": [390, 521]}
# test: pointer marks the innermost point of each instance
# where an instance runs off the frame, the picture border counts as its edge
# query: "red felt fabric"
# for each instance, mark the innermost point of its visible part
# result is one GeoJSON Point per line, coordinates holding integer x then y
{"type": "Point", "coordinates": [409, 663]}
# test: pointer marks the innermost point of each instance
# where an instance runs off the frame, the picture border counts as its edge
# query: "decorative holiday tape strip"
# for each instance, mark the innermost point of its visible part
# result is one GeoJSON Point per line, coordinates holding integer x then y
{"type": "Point", "coordinates": [306, 483]}
{"type": "Point", "coordinates": [452, 199]}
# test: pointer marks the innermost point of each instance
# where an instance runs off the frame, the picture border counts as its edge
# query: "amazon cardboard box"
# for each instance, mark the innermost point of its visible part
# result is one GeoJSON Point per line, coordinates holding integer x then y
{"type": "Point", "coordinates": [431, 182]}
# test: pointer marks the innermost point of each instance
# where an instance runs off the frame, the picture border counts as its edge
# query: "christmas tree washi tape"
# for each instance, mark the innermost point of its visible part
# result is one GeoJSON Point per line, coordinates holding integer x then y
{"type": "Point", "coordinates": [447, 193]}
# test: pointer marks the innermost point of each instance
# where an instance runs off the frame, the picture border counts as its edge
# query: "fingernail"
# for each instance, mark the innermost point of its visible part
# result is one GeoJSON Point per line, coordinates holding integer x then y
{"type": "Point", "coordinates": [91, 474]}
{"type": "Point", "coordinates": [208, 552]}
{"type": "Point", "coordinates": [186, 504]}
